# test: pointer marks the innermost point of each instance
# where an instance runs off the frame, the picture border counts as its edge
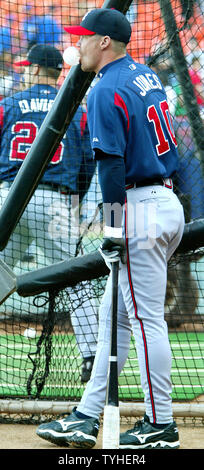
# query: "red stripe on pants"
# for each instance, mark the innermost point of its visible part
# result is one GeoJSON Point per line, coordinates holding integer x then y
{"type": "Point", "coordinates": [140, 321]}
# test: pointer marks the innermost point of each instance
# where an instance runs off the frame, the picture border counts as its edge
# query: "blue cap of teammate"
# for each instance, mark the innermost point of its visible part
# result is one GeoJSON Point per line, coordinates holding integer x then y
{"type": "Point", "coordinates": [43, 55]}
{"type": "Point", "coordinates": [103, 21]}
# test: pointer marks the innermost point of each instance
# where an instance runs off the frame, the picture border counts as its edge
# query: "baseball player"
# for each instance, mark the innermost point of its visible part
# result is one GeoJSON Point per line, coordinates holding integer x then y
{"type": "Point", "coordinates": [50, 217]}
{"type": "Point", "coordinates": [135, 148]}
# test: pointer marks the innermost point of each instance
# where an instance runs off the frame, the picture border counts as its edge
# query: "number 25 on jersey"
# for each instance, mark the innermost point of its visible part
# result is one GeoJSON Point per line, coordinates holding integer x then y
{"type": "Point", "coordinates": [24, 135]}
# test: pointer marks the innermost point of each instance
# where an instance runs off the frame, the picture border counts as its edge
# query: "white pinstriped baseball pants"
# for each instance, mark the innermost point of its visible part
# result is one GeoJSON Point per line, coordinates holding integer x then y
{"type": "Point", "coordinates": [153, 224]}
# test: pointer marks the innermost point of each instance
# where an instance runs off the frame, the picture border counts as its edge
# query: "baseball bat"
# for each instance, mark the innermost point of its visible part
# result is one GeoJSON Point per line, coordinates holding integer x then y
{"type": "Point", "coordinates": [111, 416]}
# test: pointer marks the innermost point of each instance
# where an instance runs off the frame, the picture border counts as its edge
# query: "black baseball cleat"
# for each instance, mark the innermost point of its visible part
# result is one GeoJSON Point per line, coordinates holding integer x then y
{"type": "Point", "coordinates": [87, 367]}
{"type": "Point", "coordinates": [71, 431]}
{"type": "Point", "coordinates": [145, 436]}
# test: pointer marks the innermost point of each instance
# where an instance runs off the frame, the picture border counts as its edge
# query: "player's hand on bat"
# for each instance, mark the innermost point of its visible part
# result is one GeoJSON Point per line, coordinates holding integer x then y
{"type": "Point", "coordinates": [113, 249]}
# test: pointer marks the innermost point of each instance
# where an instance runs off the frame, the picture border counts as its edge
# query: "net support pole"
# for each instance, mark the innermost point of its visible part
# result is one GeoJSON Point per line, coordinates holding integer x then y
{"type": "Point", "coordinates": [43, 407]}
{"type": "Point", "coordinates": [182, 73]}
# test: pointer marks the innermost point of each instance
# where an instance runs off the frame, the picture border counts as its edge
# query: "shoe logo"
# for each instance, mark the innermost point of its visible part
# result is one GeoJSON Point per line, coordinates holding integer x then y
{"type": "Point", "coordinates": [143, 437]}
{"type": "Point", "coordinates": [65, 424]}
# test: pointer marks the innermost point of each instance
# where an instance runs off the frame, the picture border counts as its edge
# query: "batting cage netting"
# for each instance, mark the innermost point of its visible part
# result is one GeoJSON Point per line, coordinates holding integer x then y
{"type": "Point", "coordinates": [48, 330]}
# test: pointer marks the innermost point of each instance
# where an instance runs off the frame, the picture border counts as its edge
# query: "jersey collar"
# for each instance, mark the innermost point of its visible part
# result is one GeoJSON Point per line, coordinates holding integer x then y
{"type": "Point", "coordinates": [109, 65]}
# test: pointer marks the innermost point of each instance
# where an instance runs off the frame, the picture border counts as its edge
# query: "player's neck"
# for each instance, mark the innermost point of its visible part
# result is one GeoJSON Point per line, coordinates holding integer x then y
{"type": "Point", "coordinates": [45, 81]}
{"type": "Point", "coordinates": [107, 60]}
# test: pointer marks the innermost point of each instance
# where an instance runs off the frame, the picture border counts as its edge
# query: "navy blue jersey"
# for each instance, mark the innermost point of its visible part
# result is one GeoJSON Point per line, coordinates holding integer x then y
{"type": "Point", "coordinates": [136, 105]}
{"type": "Point", "coordinates": [21, 116]}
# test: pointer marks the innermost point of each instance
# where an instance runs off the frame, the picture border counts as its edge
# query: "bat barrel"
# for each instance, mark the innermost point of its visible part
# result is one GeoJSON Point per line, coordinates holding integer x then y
{"type": "Point", "coordinates": [111, 422]}
{"type": "Point", "coordinates": [112, 397]}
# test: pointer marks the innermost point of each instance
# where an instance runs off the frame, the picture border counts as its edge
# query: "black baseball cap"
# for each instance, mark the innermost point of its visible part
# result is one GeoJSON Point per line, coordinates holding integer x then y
{"type": "Point", "coordinates": [103, 21]}
{"type": "Point", "coordinates": [43, 55]}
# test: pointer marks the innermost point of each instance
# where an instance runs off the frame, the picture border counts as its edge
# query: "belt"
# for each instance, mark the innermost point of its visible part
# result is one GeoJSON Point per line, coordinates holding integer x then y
{"type": "Point", "coordinates": [48, 186]}
{"type": "Point", "coordinates": [54, 187]}
{"type": "Point", "coordinates": [166, 182]}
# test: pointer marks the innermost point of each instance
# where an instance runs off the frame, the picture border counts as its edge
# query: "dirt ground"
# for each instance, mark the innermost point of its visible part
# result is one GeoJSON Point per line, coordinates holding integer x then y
{"type": "Point", "coordinates": [21, 436]}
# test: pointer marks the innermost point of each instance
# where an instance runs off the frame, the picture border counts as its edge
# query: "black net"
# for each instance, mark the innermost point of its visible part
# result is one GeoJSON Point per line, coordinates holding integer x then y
{"type": "Point", "coordinates": [49, 361]}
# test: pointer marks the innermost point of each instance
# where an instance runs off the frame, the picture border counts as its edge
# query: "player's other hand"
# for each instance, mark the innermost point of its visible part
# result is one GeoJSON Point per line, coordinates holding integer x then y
{"type": "Point", "coordinates": [113, 249]}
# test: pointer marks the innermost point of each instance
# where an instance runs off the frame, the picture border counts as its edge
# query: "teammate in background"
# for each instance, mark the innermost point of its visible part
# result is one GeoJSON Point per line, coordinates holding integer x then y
{"type": "Point", "coordinates": [135, 148]}
{"type": "Point", "coordinates": [48, 219]}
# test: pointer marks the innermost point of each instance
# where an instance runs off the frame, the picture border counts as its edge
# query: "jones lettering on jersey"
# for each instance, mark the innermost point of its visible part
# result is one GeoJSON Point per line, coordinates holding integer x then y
{"type": "Point", "coordinates": [147, 82]}
{"type": "Point", "coordinates": [35, 105]}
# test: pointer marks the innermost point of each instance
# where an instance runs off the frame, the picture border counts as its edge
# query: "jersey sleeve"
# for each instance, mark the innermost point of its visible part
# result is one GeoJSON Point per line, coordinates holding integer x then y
{"type": "Point", "coordinates": [108, 123]}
